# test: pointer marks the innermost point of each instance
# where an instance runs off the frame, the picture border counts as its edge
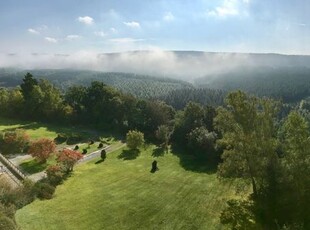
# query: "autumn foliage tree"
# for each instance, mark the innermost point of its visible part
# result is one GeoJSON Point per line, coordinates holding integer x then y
{"type": "Point", "coordinates": [67, 158]}
{"type": "Point", "coordinates": [13, 141]}
{"type": "Point", "coordinates": [42, 149]}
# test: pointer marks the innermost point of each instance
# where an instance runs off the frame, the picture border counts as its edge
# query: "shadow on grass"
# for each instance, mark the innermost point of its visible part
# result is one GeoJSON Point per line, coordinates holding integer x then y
{"type": "Point", "coordinates": [33, 166]}
{"type": "Point", "coordinates": [129, 154]}
{"type": "Point", "coordinates": [158, 152]}
{"type": "Point", "coordinates": [99, 161]}
{"type": "Point", "coordinates": [195, 163]}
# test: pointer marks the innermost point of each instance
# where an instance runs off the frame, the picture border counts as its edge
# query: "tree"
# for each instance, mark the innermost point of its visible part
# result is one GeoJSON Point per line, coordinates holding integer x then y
{"type": "Point", "coordinates": [42, 149]}
{"type": "Point", "coordinates": [249, 140]}
{"type": "Point", "coordinates": [201, 140]}
{"type": "Point", "coordinates": [297, 168]}
{"type": "Point", "coordinates": [163, 134]}
{"type": "Point", "coordinates": [134, 139]}
{"type": "Point", "coordinates": [13, 141]}
{"type": "Point", "coordinates": [27, 86]}
{"type": "Point", "coordinates": [67, 158]}
{"type": "Point", "coordinates": [248, 137]}
{"type": "Point", "coordinates": [191, 117]}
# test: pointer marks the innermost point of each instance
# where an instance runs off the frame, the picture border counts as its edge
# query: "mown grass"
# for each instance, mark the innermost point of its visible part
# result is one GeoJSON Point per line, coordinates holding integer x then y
{"type": "Point", "coordinates": [31, 166]}
{"type": "Point", "coordinates": [38, 130]}
{"type": "Point", "coordinates": [122, 193]}
{"type": "Point", "coordinates": [90, 148]}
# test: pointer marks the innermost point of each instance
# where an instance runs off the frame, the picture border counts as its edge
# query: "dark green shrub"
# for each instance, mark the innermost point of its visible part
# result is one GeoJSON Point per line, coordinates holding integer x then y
{"type": "Point", "coordinates": [76, 147]}
{"type": "Point", "coordinates": [6, 223]}
{"type": "Point", "coordinates": [44, 190]}
{"type": "Point", "coordinates": [100, 145]}
{"type": "Point", "coordinates": [103, 154]}
{"type": "Point", "coordinates": [84, 151]}
{"type": "Point", "coordinates": [61, 137]}
{"type": "Point", "coordinates": [54, 174]}
{"type": "Point", "coordinates": [74, 138]}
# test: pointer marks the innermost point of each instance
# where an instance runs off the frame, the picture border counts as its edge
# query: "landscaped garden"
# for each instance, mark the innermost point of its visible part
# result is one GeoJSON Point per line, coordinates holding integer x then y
{"type": "Point", "coordinates": [124, 194]}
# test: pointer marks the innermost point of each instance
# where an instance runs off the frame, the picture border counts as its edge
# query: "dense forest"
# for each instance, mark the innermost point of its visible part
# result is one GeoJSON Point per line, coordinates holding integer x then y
{"type": "Point", "coordinates": [258, 140]}
{"type": "Point", "coordinates": [290, 84]}
{"type": "Point", "coordinates": [141, 86]}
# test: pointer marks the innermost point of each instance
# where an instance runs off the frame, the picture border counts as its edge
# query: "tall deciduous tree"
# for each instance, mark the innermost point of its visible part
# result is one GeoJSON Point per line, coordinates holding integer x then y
{"type": "Point", "coordinates": [297, 167]}
{"type": "Point", "coordinates": [248, 137]}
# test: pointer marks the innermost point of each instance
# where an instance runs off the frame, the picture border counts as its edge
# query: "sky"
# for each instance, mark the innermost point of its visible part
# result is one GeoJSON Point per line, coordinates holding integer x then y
{"type": "Point", "coordinates": [66, 27]}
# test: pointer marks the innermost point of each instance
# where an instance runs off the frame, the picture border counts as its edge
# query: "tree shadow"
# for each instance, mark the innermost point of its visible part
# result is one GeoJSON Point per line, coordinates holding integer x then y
{"type": "Point", "coordinates": [129, 154]}
{"type": "Point", "coordinates": [159, 151]}
{"type": "Point", "coordinates": [32, 166]}
{"type": "Point", "coordinates": [99, 161]}
{"type": "Point", "coordinates": [195, 163]}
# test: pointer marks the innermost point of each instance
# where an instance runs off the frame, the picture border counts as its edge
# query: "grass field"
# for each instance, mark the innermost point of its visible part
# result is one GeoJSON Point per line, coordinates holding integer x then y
{"type": "Point", "coordinates": [38, 130]}
{"type": "Point", "coordinates": [31, 166]}
{"type": "Point", "coordinates": [121, 193]}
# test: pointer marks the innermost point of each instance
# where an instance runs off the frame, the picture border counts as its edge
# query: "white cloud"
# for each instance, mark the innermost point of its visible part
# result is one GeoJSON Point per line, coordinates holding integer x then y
{"type": "Point", "coordinates": [229, 8]}
{"type": "Point", "coordinates": [132, 24]}
{"type": "Point", "coordinates": [72, 37]}
{"type": "Point", "coordinates": [51, 40]}
{"type": "Point", "coordinates": [86, 20]}
{"type": "Point", "coordinates": [113, 30]}
{"type": "Point", "coordinates": [33, 31]}
{"type": "Point", "coordinates": [126, 40]}
{"type": "Point", "coordinates": [100, 33]}
{"type": "Point", "coordinates": [168, 16]}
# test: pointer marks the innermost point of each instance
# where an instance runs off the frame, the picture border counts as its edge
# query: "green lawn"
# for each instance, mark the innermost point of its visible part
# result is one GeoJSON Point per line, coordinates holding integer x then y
{"type": "Point", "coordinates": [121, 193]}
{"type": "Point", "coordinates": [90, 148]}
{"type": "Point", "coordinates": [32, 166]}
{"type": "Point", "coordinates": [38, 130]}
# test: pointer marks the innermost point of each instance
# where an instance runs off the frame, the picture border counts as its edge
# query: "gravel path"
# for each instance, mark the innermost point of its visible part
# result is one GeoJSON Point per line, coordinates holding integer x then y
{"type": "Point", "coordinates": [40, 175]}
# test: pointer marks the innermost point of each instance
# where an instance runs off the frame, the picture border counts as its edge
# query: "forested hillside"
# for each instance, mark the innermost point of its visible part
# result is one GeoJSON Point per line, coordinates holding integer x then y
{"type": "Point", "coordinates": [288, 83]}
{"type": "Point", "coordinates": [141, 86]}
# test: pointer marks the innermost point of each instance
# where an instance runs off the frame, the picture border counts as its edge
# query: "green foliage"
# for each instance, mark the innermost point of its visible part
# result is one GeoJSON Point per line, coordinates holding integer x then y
{"type": "Point", "coordinates": [44, 190]}
{"type": "Point", "coordinates": [288, 83]}
{"type": "Point", "coordinates": [296, 167]}
{"type": "Point", "coordinates": [248, 137]}
{"type": "Point", "coordinates": [179, 98]}
{"type": "Point", "coordinates": [191, 122]}
{"type": "Point", "coordinates": [134, 139]}
{"type": "Point", "coordinates": [6, 223]}
{"type": "Point", "coordinates": [163, 134]}
{"type": "Point", "coordinates": [29, 82]}
{"type": "Point", "coordinates": [239, 215]}
{"type": "Point", "coordinates": [201, 140]}
{"type": "Point", "coordinates": [54, 174]}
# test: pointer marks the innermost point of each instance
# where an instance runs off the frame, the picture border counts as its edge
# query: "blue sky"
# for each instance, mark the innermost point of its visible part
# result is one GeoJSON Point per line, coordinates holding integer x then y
{"type": "Point", "coordinates": [70, 26]}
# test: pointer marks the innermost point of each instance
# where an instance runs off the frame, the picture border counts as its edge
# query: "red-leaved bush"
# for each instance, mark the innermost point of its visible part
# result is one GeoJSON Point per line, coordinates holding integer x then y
{"type": "Point", "coordinates": [42, 149]}
{"type": "Point", "coordinates": [68, 158]}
